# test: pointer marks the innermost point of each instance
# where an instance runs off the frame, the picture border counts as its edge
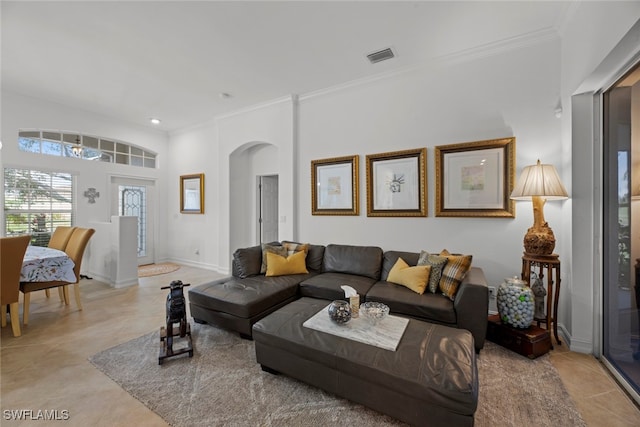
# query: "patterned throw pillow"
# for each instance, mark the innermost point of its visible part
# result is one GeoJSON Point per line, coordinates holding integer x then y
{"type": "Point", "coordinates": [292, 247]}
{"type": "Point", "coordinates": [281, 266]}
{"type": "Point", "coordinates": [453, 273]}
{"type": "Point", "coordinates": [437, 264]}
{"type": "Point", "coordinates": [414, 278]}
{"type": "Point", "coordinates": [271, 249]}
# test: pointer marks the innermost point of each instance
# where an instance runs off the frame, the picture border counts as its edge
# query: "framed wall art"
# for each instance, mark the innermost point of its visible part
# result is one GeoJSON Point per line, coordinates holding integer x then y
{"type": "Point", "coordinates": [334, 186]}
{"type": "Point", "coordinates": [192, 194]}
{"type": "Point", "coordinates": [475, 179]}
{"type": "Point", "coordinates": [397, 183]}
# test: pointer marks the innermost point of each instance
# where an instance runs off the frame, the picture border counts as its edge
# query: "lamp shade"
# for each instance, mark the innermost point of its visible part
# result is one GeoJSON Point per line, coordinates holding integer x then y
{"type": "Point", "coordinates": [539, 180]}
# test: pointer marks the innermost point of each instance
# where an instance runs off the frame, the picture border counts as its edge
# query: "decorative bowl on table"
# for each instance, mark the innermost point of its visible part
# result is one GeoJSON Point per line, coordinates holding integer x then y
{"type": "Point", "coordinates": [374, 311]}
{"type": "Point", "coordinates": [340, 312]}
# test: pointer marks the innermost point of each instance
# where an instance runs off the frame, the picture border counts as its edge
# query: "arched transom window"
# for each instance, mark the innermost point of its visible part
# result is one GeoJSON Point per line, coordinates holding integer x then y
{"type": "Point", "coordinates": [86, 147]}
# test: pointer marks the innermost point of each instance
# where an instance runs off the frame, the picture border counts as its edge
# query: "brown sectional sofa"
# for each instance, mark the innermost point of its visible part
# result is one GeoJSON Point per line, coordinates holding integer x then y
{"type": "Point", "coordinates": [239, 301]}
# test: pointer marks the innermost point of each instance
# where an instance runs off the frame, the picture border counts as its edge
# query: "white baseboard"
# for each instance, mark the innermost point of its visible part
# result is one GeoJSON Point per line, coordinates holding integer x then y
{"type": "Point", "coordinates": [133, 281]}
{"type": "Point", "coordinates": [125, 283]}
{"type": "Point", "coordinates": [196, 264]}
{"type": "Point", "coordinates": [579, 346]}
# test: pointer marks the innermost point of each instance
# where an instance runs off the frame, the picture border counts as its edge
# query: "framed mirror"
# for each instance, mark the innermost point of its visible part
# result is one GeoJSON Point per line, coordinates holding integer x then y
{"type": "Point", "coordinates": [192, 194]}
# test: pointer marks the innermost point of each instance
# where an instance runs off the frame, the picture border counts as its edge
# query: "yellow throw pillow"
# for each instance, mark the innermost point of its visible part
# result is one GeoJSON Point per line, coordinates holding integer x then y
{"type": "Point", "coordinates": [414, 278]}
{"type": "Point", "coordinates": [279, 250]}
{"type": "Point", "coordinates": [453, 273]}
{"type": "Point", "coordinates": [280, 266]}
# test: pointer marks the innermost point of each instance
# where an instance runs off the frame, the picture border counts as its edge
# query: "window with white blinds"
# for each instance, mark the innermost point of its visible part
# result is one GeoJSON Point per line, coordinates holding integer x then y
{"type": "Point", "coordinates": [36, 202]}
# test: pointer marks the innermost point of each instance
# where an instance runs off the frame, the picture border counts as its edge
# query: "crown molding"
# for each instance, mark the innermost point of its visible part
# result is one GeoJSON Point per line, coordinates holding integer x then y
{"type": "Point", "coordinates": [282, 100]}
{"type": "Point", "coordinates": [214, 120]}
{"type": "Point", "coordinates": [566, 16]}
{"type": "Point", "coordinates": [462, 56]}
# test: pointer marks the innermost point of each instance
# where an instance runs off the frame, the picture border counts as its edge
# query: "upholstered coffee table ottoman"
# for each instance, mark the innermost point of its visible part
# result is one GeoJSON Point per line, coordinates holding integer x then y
{"type": "Point", "coordinates": [430, 379]}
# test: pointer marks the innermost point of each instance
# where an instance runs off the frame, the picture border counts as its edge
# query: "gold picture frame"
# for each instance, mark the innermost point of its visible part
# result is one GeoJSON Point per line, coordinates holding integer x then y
{"type": "Point", "coordinates": [397, 183]}
{"type": "Point", "coordinates": [334, 186]}
{"type": "Point", "coordinates": [192, 194]}
{"type": "Point", "coordinates": [475, 179]}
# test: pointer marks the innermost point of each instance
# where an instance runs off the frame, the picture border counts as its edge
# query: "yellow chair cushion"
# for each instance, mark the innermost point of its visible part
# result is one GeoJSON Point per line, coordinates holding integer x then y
{"type": "Point", "coordinates": [280, 266]}
{"type": "Point", "coordinates": [414, 278]}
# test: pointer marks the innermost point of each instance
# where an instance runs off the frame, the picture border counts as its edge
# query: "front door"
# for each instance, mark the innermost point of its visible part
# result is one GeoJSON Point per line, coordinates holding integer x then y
{"type": "Point", "coordinates": [133, 197]}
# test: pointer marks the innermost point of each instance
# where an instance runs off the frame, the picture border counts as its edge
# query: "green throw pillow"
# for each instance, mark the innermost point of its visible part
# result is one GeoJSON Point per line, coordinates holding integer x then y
{"type": "Point", "coordinates": [437, 264]}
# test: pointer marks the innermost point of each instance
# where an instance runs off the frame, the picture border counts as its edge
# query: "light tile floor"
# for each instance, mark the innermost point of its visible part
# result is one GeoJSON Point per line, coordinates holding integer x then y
{"type": "Point", "coordinates": [599, 398]}
{"type": "Point", "coordinates": [47, 367]}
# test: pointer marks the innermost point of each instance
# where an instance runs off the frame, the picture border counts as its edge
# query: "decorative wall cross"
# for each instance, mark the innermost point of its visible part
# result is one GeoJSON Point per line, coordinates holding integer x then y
{"type": "Point", "coordinates": [91, 194]}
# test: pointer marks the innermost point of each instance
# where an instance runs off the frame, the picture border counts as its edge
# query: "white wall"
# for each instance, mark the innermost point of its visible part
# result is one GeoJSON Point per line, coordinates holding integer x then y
{"type": "Point", "coordinates": [232, 150]}
{"type": "Point", "coordinates": [274, 124]}
{"type": "Point", "coordinates": [194, 150]}
{"type": "Point", "coordinates": [20, 112]}
{"type": "Point", "coordinates": [512, 93]}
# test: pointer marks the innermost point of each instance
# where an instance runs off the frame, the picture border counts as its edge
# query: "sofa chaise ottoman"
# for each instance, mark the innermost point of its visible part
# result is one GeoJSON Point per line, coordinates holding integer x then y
{"type": "Point", "coordinates": [431, 379]}
{"type": "Point", "coordinates": [236, 304]}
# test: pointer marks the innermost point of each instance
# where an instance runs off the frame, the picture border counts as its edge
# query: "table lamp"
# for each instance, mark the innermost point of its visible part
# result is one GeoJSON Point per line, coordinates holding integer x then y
{"type": "Point", "coordinates": [539, 183]}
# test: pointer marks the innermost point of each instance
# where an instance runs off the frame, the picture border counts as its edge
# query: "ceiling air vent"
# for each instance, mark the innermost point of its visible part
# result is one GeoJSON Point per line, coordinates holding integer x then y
{"type": "Point", "coordinates": [381, 55]}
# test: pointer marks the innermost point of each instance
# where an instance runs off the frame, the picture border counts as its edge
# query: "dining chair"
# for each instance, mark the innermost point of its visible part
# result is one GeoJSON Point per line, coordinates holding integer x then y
{"type": "Point", "coordinates": [59, 240]}
{"type": "Point", "coordinates": [60, 237]}
{"type": "Point", "coordinates": [12, 251]}
{"type": "Point", "coordinates": [75, 250]}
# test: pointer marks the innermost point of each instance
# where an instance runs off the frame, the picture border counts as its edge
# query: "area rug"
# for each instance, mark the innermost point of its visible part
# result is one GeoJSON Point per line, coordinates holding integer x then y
{"type": "Point", "coordinates": [222, 385]}
{"type": "Point", "coordinates": [156, 269]}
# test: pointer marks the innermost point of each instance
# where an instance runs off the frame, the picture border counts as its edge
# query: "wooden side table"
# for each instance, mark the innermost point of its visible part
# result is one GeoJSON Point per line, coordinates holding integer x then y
{"type": "Point", "coordinates": [549, 266]}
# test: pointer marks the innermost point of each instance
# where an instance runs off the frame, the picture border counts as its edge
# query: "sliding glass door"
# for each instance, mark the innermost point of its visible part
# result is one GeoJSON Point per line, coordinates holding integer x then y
{"type": "Point", "coordinates": [621, 228]}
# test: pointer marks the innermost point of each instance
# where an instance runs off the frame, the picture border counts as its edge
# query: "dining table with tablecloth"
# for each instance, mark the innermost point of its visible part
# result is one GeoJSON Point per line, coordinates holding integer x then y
{"type": "Point", "coordinates": [42, 264]}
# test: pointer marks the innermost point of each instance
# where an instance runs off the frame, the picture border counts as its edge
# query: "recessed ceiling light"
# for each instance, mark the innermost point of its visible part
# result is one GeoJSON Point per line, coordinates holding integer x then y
{"type": "Point", "coordinates": [155, 121]}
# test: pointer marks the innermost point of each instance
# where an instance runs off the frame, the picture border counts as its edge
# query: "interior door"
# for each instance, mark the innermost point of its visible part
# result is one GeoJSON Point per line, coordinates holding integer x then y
{"type": "Point", "coordinates": [134, 197]}
{"type": "Point", "coordinates": [268, 208]}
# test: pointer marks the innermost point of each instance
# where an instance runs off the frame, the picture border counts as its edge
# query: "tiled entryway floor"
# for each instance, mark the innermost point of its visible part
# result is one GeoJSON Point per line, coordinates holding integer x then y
{"type": "Point", "coordinates": [47, 367]}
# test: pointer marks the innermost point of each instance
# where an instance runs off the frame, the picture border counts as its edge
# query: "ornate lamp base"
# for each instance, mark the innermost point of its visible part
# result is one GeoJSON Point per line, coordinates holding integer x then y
{"type": "Point", "coordinates": [539, 240]}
